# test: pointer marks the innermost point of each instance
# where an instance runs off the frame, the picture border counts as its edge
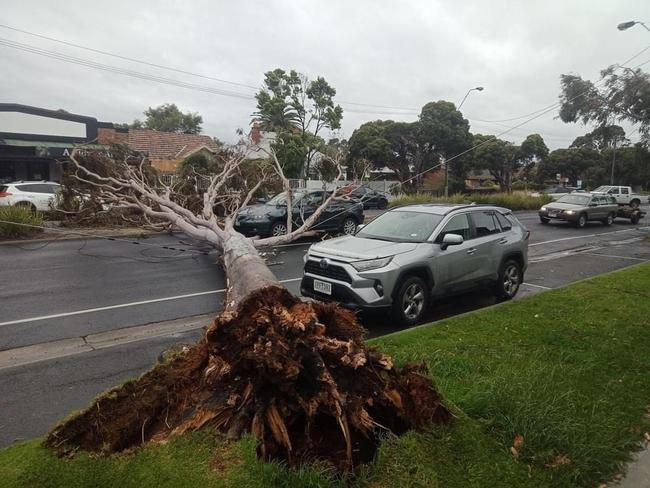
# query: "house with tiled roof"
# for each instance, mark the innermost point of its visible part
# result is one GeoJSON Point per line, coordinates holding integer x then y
{"type": "Point", "coordinates": [165, 150]}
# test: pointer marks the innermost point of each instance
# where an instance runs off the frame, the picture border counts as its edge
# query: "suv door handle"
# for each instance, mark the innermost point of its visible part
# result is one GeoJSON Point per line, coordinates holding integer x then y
{"type": "Point", "coordinates": [471, 250]}
{"type": "Point", "coordinates": [503, 240]}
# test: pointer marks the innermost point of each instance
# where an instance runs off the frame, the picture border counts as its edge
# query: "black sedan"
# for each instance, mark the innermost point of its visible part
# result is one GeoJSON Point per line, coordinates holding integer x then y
{"type": "Point", "coordinates": [270, 218]}
{"type": "Point", "coordinates": [369, 197]}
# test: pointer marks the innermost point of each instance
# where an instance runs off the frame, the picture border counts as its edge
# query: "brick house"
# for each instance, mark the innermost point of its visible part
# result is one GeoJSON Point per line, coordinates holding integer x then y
{"type": "Point", "coordinates": [165, 150]}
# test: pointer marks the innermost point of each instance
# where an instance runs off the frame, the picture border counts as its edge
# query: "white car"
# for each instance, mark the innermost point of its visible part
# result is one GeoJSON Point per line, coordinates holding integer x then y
{"type": "Point", "coordinates": [37, 195]}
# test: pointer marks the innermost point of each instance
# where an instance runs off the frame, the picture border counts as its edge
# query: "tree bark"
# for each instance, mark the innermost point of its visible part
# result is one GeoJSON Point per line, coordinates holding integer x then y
{"type": "Point", "coordinates": [245, 270]}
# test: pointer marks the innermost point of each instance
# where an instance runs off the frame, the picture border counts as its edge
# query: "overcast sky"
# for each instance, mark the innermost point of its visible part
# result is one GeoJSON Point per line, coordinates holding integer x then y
{"type": "Point", "coordinates": [398, 54]}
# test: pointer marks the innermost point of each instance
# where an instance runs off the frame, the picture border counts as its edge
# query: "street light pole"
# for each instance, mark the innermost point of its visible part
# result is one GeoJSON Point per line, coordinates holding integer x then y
{"type": "Point", "coordinates": [478, 88]}
{"type": "Point", "coordinates": [626, 25]}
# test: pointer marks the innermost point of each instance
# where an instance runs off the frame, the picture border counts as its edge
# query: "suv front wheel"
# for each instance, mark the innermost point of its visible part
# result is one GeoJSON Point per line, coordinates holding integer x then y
{"type": "Point", "coordinates": [411, 301]}
{"type": "Point", "coordinates": [510, 279]}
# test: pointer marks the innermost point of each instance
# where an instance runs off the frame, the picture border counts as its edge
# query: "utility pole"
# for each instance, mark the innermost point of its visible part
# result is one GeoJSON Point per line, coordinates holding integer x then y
{"type": "Point", "coordinates": [611, 178]}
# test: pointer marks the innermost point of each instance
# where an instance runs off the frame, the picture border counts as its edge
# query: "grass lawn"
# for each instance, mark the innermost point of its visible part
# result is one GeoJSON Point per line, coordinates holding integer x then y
{"type": "Point", "coordinates": [567, 372]}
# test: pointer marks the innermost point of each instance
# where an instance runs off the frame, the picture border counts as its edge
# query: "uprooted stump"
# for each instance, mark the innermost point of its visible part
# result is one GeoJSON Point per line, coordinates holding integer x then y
{"type": "Point", "coordinates": [295, 374]}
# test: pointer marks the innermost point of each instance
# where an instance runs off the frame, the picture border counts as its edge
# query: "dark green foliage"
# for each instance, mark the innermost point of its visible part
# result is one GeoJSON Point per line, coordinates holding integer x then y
{"type": "Point", "coordinates": [168, 118]}
{"type": "Point", "coordinates": [625, 95]}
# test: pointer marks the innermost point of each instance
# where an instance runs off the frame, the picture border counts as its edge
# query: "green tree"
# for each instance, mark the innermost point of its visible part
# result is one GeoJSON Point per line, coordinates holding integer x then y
{"type": "Point", "coordinates": [496, 156]}
{"type": "Point", "coordinates": [290, 103]}
{"type": "Point", "coordinates": [574, 163]}
{"type": "Point", "coordinates": [369, 143]}
{"type": "Point", "coordinates": [605, 137]}
{"type": "Point", "coordinates": [503, 159]}
{"type": "Point", "coordinates": [169, 118]}
{"type": "Point", "coordinates": [441, 133]}
{"type": "Point", "coordinates": [625, 95]}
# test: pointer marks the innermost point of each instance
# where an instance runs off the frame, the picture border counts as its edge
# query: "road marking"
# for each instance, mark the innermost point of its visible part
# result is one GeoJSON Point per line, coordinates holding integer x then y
{"type": "Point", "coordinates": [35, 353]}
{"type": "Point", "coordinates": [585, 236]}
{"type": "Point", "coordinates": [614, 256]}
{"type": "Point", "coordinates": [538, 286]}
{"type": "Point", "coordinates": [123, 305]}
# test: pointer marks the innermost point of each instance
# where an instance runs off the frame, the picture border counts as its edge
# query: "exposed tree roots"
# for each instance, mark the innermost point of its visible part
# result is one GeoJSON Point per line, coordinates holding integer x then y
{"type": "Point", "coordinates": [295, 374]}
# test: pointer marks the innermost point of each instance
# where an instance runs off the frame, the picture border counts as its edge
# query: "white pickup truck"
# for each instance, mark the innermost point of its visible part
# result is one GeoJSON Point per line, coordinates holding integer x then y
{"type": "Point", "coordinates": [623, 195]}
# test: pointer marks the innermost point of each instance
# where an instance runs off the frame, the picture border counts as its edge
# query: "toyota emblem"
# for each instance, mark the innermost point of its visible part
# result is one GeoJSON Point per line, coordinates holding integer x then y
{"type": "Point", "coordinates": [324, 263]}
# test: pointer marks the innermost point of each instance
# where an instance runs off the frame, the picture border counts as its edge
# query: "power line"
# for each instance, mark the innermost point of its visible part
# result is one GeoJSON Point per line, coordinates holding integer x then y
{"type": "Point", "coordinates": [126, 72]}
{"type": "Point", "coordinates": [126, 58]}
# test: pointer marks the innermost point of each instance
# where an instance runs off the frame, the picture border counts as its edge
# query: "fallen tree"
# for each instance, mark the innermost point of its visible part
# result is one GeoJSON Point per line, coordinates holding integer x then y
{"type": "Point", "coordinates": [295, 374]}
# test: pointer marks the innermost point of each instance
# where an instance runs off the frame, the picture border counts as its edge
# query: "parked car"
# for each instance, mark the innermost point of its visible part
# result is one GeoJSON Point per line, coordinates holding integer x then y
{"type": "Point", "coordinates": [579, 208]}
{"type": "Point", "coordinates": [270, 218]}
{"type": "Point", "coordinates": [369, 197]}
{"type": "Point", "coordinates": [36, 195]}
{"type": "Point", "coordinates": [623, 195]}
{"type": "Point", "coordinates": [409, 255]}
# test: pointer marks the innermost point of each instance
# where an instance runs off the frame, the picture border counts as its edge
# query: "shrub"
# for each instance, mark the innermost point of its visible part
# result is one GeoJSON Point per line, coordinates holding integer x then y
{"type": "Point", "coordinates": [513, 201]}
{"type": "Point", "coordinates": [20, 215]}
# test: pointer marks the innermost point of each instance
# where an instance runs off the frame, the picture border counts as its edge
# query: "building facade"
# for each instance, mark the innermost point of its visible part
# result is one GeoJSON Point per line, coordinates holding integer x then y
{"type": "Point", "coordinates": [35, 141]}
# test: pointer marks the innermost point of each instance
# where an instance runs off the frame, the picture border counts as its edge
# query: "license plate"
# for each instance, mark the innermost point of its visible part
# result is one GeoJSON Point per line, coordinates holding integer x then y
{"type": "Point", "coordinates": [323, 287]}
{"type": "Point", "coordinates": [552, 214]}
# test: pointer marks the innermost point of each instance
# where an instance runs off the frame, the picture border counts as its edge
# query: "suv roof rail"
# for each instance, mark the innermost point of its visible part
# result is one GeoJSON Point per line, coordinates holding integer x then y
{"type": "Point", "coordinates": [471, 205]}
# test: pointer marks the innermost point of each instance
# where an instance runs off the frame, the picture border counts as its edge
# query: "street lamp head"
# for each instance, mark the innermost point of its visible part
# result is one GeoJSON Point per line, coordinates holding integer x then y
{"type": "Point", "coordinates": [479, 88]}
{"type": "Point", "coordinates": [626, 25]}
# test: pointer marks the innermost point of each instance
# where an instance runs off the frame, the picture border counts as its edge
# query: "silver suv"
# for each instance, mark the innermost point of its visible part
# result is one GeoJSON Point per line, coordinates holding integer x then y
{"type": "Point", "coordinates": [410, 255]}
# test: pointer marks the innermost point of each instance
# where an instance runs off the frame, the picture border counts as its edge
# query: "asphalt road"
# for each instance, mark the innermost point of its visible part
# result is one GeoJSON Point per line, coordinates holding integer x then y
{"type": "Point", "coordinates": [135, 284]}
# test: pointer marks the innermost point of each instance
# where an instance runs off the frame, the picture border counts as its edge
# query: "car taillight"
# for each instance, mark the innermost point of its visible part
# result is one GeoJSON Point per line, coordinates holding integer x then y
{"type": "Point", "coordinates": [4, 194]}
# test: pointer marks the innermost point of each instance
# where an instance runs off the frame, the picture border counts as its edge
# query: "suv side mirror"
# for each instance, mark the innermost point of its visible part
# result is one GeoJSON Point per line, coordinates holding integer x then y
{"type": "Point", "coordinates": [360, 226]}
{"type": "Point", "coordinates": [451, 240]}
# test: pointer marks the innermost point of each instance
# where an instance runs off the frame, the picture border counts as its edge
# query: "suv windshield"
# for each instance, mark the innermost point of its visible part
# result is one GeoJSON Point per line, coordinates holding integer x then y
{"type": "Point", "coordinates": [575, 199]}
{"type": "Point", "coordinates": [400, 226]}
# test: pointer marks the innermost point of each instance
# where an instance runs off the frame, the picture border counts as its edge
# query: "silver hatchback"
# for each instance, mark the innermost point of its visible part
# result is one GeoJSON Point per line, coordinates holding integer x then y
{"type": "Point", "coordinates": [410, 255]}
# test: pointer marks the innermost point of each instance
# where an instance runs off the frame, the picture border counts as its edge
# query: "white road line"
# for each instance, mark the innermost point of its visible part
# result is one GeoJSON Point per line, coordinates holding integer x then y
{"type": "Point", "coordinates": [124, 305]}
{"type": "Point", "coordinates": [538, 286]}
{"type": "Point", "coordinates": [613, 256]}
{"type": "Point", "coordinates": [585, 236]}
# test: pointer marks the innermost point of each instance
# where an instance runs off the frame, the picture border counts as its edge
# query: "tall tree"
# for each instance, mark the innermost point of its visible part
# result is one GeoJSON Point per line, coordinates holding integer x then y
{"type": "Point", "coordinates": [624, 96]}
{"type": "Point", "coordinates": [442, 132]}
{"type": "Point", "coordinates": [290, 103]}
{"type": "Point", "coordinates": [168, 118]}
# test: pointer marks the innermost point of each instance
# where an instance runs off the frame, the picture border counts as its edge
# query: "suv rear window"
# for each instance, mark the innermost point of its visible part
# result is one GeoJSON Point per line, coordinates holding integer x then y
{"type": "Point", "coordinates": [484, 223]}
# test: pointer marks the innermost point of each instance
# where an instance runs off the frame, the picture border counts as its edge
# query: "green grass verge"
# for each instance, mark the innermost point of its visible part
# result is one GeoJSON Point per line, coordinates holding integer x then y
{"type": "Point", "coordinates": [568, 370]}
{"type": "Point", "coordinates": [513, 201]}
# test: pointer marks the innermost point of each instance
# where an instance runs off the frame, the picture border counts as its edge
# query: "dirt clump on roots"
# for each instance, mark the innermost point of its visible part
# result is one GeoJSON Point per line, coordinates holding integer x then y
{"type": "Point", "coordinates": [295, 374]}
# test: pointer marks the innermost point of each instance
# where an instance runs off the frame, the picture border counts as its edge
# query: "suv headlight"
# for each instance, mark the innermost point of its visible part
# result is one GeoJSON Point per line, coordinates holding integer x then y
{"type": "Point", "coordinates": [569, 212]}
{"type": "Point", "coordinates": [543, 209]}
{"type": "Point", "coordinates": [371, 264]}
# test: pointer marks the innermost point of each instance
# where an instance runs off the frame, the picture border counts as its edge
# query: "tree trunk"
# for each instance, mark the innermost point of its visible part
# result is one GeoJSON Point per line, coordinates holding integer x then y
{"type": "Point", "coordinates": [245, 270]}
{"type": "Point", "coordinates": [295, 374]}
